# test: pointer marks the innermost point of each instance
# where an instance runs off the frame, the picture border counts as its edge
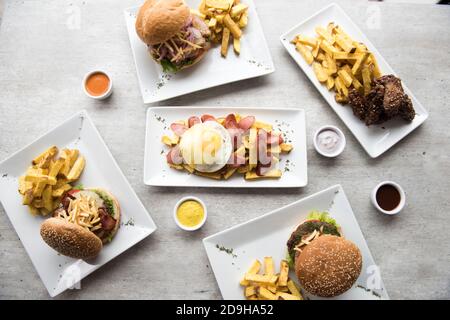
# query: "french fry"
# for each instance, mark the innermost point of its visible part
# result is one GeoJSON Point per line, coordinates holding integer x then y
{"type": "Point", "coordinates": [27, 197]}
{"type": "Point", "coordinates": [284, 270]}
{"type": "Point", "coordinates": [38, 189]}
{"type": "Point", "coordinates": [328, 48]}
{"type": "Point", "coordinates": [254, 268]}
{"type": "Point", "coordinates": [230, 171]}
{"type": "Point", "coordinates": [325, 34]}
{"type": "Point", "coordinates": [346, 56]}
{"type": "Point", "coordinates": [265, 293]}
{"type": "Point", "coordinates": [77, 168]}
{"type": "Point", "coordinates": [286, 147]}
{"type": "Point", "coordinates": [250, 291]}
{"type": "Point", "coordinates": [345, 43]}
{"type": "Point", "coordinates": [243, 21]}
{"type": "Point", "coordinates": [24, 185]}
{"type": "Point", "coordinates": [359, 62]}
{"type": "Point", "coordinates": [345, 77]}
{"type": "Point", "coordinates": [60, 191]}
{"type": "Point", "coordinates": [305, 52]}
{"type": "Point", "coordinates": [293, 289]}
{"type": "Point", "coordinates": [261, 279]}
{"type": "Point", "coordinates": [56, 167]}
{"type": "Point", "coordinates": [41, 178]}
{"type": "Point", "coordinates": [331, 64]}
{"type": "Point", "coordinates": [188, 168]}
{"type": "Point", "coordinates": [315, 51]}
{"type": "Point", "coordinates": [251, 175]}
{"type": "Point", "coordinates": [50, 151]}
{"type": "Point", "coordinates": [238, 9]}
{"type": "Point", "coordinates": [232, 26]}
{"type": "Point", "coordinates": [367, 81]}
{"type": "Point", "coordinates": [376, 68]}
{"type": "Point", "coordinates": [307, 41]}
{"type": "Point", "coordinates": [286, 296]}
{"type": "Point", "coordinates": [225, 41]}
{"type": "Point", "coordinates": [47, 198]}
{"type": "Point", "coordinates": [65, 154]}
{"type": "Point", "coordinates": [262, 125]}
{"type": "Point", "coordinates": [237, 45]}
{"type": "Point", "coordinates": [321, 74]}
{"type": "Point", "coordinates": [330, 83]}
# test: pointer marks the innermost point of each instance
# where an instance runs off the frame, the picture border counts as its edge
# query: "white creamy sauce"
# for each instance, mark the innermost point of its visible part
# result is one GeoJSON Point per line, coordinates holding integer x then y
{"type": "Point", "coordinates": [328, 141]}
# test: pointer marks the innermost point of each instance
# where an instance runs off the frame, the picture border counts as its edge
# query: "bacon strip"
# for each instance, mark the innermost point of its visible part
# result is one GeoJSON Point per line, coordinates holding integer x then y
{"type": "Point", "coordinates": [230, 121]}
{"type": "Point", "coordinates": [236, 160]}
{"type": "Point", "coordinates": [174, 156]}
{"type": "Point", "coordinates": [236, 137]}
{"type": "Point", "coordinates": [246, 123]}
{"type": "Point", "coordinates": [108, 222]}
{"type": "Point", "coordinates": [178, 128]}
{"type": "Point", "coordinates": [208, 117]}
{"type": "Point", "coordinates": [193, 121]}
{"type": "Point", "coordinates": [274, 138]}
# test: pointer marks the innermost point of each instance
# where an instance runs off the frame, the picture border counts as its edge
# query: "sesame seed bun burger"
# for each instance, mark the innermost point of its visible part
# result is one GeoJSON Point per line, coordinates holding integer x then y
{"type": "Point", "coordinates": [175, 38]}
{"type": "Point", "coordinates": [84, 221]}
{"type": "Point", "coordinates": [325, 263]}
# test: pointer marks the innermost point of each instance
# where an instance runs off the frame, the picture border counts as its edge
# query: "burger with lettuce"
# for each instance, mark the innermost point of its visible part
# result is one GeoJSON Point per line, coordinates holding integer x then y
{"type": "Point", "coordinates": [84, 221]}
{"type": "Point", "coordinates": [175, 37]}
{"type": "Point", "coordinates": [325, 263]}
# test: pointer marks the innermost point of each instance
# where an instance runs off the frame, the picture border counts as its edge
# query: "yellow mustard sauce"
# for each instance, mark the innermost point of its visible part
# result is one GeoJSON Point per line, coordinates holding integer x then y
{"type": "Point", "coordinates": [190, 213]}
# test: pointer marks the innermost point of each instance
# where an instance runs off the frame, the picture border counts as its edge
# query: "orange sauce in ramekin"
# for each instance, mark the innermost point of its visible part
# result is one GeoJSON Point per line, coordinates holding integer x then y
{"type": "Point", "coordinates": [97, 84]}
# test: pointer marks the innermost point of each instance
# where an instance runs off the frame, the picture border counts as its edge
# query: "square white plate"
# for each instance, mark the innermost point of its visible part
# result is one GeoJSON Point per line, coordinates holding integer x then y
{"type": "Point", "coordinates": [211, 71]}
{"type": "Point", "coordinates": [56, 271]}
{"type": "Point", "coordinates": [267, 236]}
{"type": "Point", "coordinates": [158, 173]}
{"type": "Point", "coordinates": [374, 139]}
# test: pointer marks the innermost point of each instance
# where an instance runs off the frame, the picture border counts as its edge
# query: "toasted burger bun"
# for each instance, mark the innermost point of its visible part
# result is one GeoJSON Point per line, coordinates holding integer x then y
{"type": "Point", "coordinates": [70, 239]}
{"type": "Point", "coordinates": [159, 20]}
{"type": "Point", "coordinates": [75, 241]}
{"type": "Point", "coordinates": [117, 214]}
{"type": "Point", "coordinates": [328, 266]}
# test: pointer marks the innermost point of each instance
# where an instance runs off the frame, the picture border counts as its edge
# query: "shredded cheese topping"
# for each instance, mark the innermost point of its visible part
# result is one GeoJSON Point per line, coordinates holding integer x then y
{"type": "Point", "coordinates": [82, 211]}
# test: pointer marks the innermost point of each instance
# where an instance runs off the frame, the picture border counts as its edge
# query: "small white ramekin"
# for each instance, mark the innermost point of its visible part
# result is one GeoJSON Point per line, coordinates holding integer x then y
{"type": "Point", "coordinates": [103, 96]}
{"type": "Point", "coordinates": [400, 206]}
{"type": "Point", "coordinates": [176, 218]}
{"type": "Point", "coordinates": [341, 146]}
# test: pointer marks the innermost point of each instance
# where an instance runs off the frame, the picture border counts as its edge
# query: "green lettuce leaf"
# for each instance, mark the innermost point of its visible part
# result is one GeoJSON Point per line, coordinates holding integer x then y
{"type": "Point", "coordinates": [322, 216]}
{"type": "Point", "coordinates": [168, 66]}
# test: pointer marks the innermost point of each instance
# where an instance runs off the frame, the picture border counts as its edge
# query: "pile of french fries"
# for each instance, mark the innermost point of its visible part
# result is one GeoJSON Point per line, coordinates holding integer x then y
{"type": "Point", "coordinates": [269, 285]}
{"type": "Point", "coordinates": [225, 19]}
{"type": "Point", "coordinates": [338, 61]}
{"type": "Point", "coordinates": [49, 177]}
{"type": "Point", "coordinates": [248, 149]}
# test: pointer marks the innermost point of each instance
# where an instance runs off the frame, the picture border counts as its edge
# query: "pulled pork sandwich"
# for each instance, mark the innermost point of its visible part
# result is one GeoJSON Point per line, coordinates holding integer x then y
{"type": "Point", "coordinates": [176, 38]}
{"type": "Point", "coordinates": [84, 221]}
{"type": "Point", "coordinates": [325, 263]}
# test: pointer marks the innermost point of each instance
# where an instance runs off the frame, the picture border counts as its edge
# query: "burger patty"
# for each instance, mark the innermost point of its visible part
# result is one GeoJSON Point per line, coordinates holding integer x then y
{"type": "Point", "coordinates": [307, 228]}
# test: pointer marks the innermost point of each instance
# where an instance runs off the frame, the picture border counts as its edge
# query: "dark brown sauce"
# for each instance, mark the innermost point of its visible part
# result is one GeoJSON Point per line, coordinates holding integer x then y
{"type": "Point", "coordinates": [388, 197]}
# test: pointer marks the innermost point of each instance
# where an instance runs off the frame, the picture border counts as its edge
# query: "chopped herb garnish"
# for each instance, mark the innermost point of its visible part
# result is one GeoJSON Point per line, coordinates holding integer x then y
{"type": "Point", "coordinates": [226, 250]}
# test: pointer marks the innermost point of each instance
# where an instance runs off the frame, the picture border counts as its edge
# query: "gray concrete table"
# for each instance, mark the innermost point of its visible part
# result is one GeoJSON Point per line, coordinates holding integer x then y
{"type": "Point", "coordinates": [46, 48]}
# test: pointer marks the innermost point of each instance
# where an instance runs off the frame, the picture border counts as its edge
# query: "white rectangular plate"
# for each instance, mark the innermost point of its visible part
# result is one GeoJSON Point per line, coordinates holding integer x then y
{"type": "Point", "coordinates": [267, 236]}
{"type": "Point", "coordinates": [56, 271]}
{"type": "Point", "coordinates": [211, 71]}
{"type": "Point", "coordinates": [375, 139]}
{"type": "Point", "coordinates": [158, 173]}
